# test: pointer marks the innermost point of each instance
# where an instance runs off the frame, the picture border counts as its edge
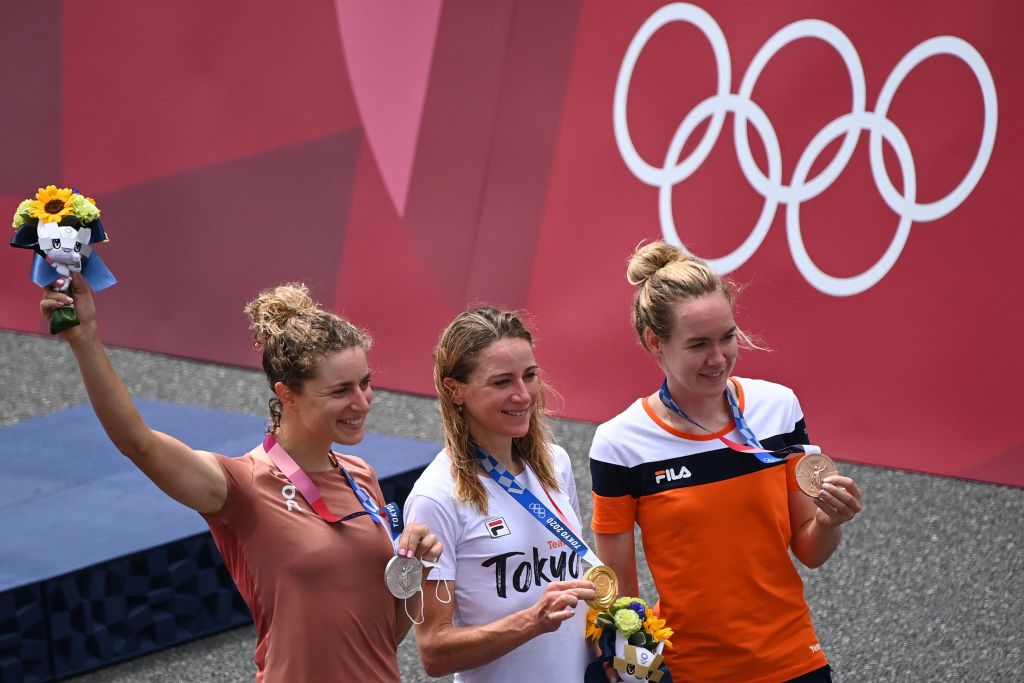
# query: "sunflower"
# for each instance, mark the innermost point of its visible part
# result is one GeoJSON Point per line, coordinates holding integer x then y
{"type": "Point", "coordinates": [656, 627]}
{"type": "Point", "coordinates": [593, 630]}
{"type": "Point", "coordinates": [52, 204]}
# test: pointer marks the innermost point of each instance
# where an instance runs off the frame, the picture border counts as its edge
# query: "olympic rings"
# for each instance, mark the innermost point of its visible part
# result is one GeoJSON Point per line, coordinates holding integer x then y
{"type": "Point", "coordinates": [538, 509]}
{"type": "Point", "coordinates": [801, 188]}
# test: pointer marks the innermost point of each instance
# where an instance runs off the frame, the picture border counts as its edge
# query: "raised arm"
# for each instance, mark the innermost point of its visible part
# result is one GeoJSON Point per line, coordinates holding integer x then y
{"type": "Point", "coordinates": [446, 648]}
{"type": "Point", "coordinates": [193, 478]}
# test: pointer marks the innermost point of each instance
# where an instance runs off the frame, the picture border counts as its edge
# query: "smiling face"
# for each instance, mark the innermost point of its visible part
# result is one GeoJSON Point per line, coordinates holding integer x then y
{"type": "Point", "coordinates": [499, 396]}
{"type": "Point", "coordinates": [332, 405]}
{"type": "Point", "coordinates": [700, 354]}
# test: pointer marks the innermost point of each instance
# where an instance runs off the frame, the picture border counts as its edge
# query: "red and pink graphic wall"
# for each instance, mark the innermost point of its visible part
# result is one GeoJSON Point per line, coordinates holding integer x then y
{"type": "Point", "coordinates": [856, 166]}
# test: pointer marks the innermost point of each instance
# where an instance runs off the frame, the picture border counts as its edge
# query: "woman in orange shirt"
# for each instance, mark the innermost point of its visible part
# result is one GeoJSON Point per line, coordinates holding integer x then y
{"type": "Point", "coordinates": [718, 523]}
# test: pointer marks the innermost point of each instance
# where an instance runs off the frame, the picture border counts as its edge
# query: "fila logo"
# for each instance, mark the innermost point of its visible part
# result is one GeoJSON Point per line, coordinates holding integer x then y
{"type": "Point", "coordinates": [671, 474]}
{"type": "Point", "coordinates": [497, 527]}
{"type": "Point", "coordinates": [288, 491]}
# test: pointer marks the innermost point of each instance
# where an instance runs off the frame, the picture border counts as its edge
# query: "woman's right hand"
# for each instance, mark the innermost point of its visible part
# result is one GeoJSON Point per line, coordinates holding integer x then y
{"type": "Point", "coordinates": [558, 602]}
{"type": "Point", "coordinates": [79, 296]}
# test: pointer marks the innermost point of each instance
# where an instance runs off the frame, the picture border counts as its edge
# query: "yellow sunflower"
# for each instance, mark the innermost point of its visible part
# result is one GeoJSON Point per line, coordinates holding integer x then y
{"type": "Point", "coordinates": [593, 630]}
{"type": "Point", "coordinates": [656, 627]}
{"type": "Point", "coordinates": [51, 204]}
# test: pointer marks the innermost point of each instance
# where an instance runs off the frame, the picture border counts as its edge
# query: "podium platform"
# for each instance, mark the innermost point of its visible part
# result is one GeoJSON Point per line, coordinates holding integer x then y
{"type": "Point", "coordinates": [97, 565]}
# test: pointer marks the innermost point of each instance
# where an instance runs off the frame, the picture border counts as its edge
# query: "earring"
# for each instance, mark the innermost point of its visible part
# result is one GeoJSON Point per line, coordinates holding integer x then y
{"type": "Point", "coordinates": [458, 407]}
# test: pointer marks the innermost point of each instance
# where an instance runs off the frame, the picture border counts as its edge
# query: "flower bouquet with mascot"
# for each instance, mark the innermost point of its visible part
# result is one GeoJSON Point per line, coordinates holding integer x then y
{"type": "Point", "coordinates": [60, 224]}
{"type": "Point", "coordinates": [630, 638]}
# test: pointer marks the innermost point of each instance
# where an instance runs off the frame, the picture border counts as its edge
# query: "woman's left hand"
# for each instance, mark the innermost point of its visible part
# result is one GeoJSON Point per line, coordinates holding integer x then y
{"type": "Point", "coordinates": [418, 541]}
{"type": "Point", "coordinates": [839, 501]}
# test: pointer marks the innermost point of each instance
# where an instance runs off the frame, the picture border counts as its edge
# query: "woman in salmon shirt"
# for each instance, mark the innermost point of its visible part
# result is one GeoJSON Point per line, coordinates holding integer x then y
{"type": "Point", "coordinates": [298, 525]}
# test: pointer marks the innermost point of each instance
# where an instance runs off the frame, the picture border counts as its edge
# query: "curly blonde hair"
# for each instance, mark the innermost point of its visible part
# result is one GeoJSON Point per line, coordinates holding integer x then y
{"type": "Point", "coordinates": [456, 357]}
{"type": "Point", "coordinates": [295, 335]}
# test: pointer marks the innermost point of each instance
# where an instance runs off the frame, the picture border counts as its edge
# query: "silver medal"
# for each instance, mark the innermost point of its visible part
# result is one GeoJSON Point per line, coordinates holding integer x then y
{"type": "Point", "coordinates": [404, 576]}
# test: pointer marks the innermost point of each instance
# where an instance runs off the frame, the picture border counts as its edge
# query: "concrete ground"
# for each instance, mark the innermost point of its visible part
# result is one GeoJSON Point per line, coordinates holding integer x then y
{"type": "Point", "coordinates": [926, 586]}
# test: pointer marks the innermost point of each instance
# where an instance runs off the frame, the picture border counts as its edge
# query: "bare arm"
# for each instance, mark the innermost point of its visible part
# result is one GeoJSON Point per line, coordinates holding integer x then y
{"type": "Point", "coordinates": [816, 522]}
{"type": "Point", "coordinates": [618, 551]}
{"type": "Point", "coordinates": [193, 478]}
{"type": "Point", "coordinates": [446, 648]}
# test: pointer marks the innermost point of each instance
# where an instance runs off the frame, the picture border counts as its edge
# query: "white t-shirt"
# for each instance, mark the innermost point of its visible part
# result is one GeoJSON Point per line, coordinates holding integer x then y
{"type": "Point", "coordinates": [501, 563]}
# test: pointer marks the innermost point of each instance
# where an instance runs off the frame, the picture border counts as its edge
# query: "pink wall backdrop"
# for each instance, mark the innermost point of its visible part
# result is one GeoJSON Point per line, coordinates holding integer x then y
{"type": "Point", "coordinates": [407, 159]}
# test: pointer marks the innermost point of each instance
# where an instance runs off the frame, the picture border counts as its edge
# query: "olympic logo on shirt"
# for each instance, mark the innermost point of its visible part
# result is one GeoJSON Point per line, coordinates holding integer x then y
{"type": "Point", "coordinates": [801, 188]}
{"type": "Point", "coordinates": [538, 509]}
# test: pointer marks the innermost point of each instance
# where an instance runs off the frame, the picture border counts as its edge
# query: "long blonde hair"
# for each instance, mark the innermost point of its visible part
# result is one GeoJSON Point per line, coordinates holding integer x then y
{"type": "Point", "coordinates": [456, 357]}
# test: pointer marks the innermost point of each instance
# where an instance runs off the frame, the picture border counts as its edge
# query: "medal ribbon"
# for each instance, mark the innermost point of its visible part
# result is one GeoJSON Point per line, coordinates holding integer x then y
{"type": "Point", "coordinates": [750, 443]}
{"type": "Point", "coordinates": [558, 527]}
{"type": "Point", "coordinates": [300, 480]}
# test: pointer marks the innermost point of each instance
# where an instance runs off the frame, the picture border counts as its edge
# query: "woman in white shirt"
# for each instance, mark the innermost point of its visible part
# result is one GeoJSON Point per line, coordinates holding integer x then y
{"type": "Point", "coordinates": [517, 609]}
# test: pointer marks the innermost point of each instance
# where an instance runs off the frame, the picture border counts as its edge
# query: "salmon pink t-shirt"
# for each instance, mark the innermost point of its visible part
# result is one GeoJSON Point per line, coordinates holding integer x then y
{"type": "Point", "coordinates": [316, 590]}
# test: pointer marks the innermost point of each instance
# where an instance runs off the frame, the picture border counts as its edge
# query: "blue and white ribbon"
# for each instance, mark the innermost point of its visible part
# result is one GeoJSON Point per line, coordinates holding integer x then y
{"type": "Point", "coordinates": [558, 527]}
{"type": "Point", "coordinates": [753, 446]}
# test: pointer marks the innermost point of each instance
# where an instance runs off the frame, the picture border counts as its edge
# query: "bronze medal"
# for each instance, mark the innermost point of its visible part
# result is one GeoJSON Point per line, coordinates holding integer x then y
{"type": "Point", "coordinates": [812, 470]}
{"type": "Point", "coordinates": [606, 586]}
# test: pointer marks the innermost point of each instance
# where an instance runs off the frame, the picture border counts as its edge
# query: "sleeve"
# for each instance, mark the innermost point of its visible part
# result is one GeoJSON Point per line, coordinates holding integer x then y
{"type": "Point", "coordinates": [797, 436]}
{"type": "Point", "coordinates": [568, 480]}
{"type": "Point", "coordinates": [442, 520]}
{"type": "Point", "coordinates": [239, 473]}
{"type": "Point", "coordinates": [614, 506]}
{"type": "Point", "coordinates": [791, 484]}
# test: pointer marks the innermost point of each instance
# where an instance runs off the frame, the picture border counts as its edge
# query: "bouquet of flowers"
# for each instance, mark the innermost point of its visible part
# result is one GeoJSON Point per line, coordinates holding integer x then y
{"type": "Point", "coordinates": [59, 225]}
{"type": "Point", "coordinates": [632, 638]}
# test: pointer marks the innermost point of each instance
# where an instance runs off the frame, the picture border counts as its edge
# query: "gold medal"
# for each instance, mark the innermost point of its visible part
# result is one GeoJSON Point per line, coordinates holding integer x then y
{"type": "Point", "coordinates": [812, 470]}
{"type": "Point", "coordinates": [606, 586]}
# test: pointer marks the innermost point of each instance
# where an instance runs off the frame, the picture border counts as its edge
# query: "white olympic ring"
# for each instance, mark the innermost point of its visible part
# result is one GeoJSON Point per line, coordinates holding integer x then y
{"type": "Point", "coordinates": [801, 188]}
{"type": "Point", "coordinates": [537, 509]}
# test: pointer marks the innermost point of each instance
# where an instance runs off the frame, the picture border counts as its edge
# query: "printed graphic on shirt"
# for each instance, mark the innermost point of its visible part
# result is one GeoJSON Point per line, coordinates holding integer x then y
{"type": "Point", "coordinates": [288, 492]}
{"type": "Point", "coordinates": [671, 474]}
{"type": "Point", "coordinates": [497, 527]}
{"type": "Point", "coordinates": [525, 574]}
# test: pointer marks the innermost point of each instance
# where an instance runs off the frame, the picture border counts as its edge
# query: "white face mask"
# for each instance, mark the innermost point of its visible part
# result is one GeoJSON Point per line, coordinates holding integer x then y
{"type": "Point", "coordinates": [404, 576]}
{"type": "Point", "coordinates": [437, 595]}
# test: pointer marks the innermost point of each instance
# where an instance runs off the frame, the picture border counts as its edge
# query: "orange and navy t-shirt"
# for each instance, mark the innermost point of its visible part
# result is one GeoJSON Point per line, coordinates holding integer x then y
{"type": "Point", "coordinates": [716, 532]}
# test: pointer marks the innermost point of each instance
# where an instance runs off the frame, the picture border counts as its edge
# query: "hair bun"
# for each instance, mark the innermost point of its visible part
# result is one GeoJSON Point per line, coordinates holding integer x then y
{"type": "Point", "coordinates": [648, 259]}
{"type": "Point", "coordinates": [271, 311]}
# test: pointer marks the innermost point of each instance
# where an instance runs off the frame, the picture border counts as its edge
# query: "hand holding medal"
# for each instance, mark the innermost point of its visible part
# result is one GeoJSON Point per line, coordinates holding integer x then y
{"type": "Point", "coordinates": [811, 472]}
{"type": "Point", "coordinates": [417, 551]}
{"type": "Point", "coordinates": [606, 586]}
{"type": "Point", "coordinates": [837, 497]}
{"type": "Point", "coordinates": [417, 548]}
